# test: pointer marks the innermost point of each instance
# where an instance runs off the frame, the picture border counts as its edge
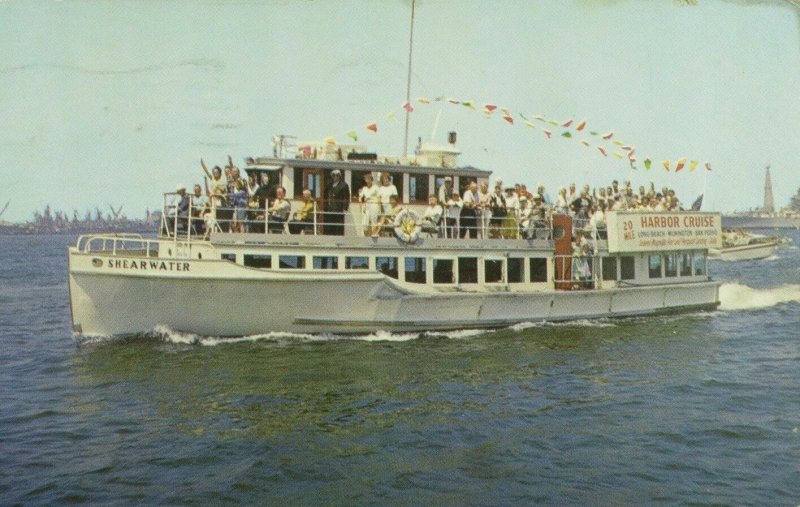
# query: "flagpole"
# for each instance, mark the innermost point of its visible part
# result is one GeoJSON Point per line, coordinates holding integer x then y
{"type": "Point", "coordinates": [408, 80]}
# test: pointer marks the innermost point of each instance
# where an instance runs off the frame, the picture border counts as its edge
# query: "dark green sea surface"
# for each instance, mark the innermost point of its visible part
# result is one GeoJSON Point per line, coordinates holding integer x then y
{"type": "Point", "coordinates": [695, 409]}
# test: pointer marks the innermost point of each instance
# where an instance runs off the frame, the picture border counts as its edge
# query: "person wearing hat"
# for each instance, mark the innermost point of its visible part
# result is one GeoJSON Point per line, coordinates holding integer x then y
{"type": "Point", "coordinates": [337, 202]}
{"type": "Point", "coordinates": [182, 207]}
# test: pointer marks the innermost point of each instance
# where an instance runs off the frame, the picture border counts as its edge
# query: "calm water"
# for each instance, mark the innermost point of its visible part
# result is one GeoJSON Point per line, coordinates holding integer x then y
{"type": "Point", "coordinates": [697, 409]}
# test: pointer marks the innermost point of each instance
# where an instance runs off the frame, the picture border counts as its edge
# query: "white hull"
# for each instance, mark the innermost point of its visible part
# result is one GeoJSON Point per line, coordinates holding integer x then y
{"type": "Point", "coordinates": [745, 252]}
{"type": "Point", "coordinates": [219, 298]}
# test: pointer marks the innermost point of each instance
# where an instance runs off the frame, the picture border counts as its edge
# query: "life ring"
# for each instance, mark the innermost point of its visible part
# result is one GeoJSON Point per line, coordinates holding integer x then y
{"type": "Point", "coordinates": [407, 226]}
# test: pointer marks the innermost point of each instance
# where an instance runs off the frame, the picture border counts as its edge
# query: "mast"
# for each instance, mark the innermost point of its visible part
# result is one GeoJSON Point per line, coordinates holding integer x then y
{"type": "Point", "coordinates": [408, 80]}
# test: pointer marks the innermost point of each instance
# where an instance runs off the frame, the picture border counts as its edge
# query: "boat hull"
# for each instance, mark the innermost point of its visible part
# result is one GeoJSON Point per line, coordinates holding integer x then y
{"type": "Point", "coordinates": [219, 298]}
{"type": "Point", "coordinates": [745, 252]}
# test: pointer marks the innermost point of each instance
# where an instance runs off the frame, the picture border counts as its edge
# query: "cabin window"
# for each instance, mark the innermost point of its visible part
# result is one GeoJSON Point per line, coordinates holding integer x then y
{"type": "Point", "coordinates": [699, 263]}
{"type": "Point", "coordinates": [310, 179]}
{"type": "Point", "coordinates": [467, 270]}
{"type": "Point", "coordinates": [292, 261]}
{"type": "Point", "coordinates": [228, 257]}
{"type": "Point", "coordinates": [514, 270]}
{"type": "Point", "coordinates": [493, 270]}
{"type": "Point", "coordinates": [418, 190]}
{"type": "Point", "coordinates": [654, 266]}
{"type": "Point", "coordinates": [686, 264]}
{"type": "Point", "coordinates": [538, 268]}
{"type": "Point", "coordinates": [465, 181]}
{"type": "Point", "coordinates": [415, 269]}
{"type": "Point", "coordinates": [442, 271]}
{"type": "Point", "coordinates": [258, 261]}
{"type": "Point", "coordinates": [627, 268]}
{"type": "Point", "coordinates": [325, 262]}
{"type": "Point", "coordinates": [671, 265]}
{"type": "Point", "coordinates": [387, 266]}
{"type": "Point", "coordinates": [609, 268]}
{"type": "Point", "coordinates": [356, 263]}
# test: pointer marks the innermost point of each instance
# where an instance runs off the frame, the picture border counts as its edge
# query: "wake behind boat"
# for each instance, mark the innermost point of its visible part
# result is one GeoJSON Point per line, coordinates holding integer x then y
{"type": "Point", "coordinates": [332, 260]}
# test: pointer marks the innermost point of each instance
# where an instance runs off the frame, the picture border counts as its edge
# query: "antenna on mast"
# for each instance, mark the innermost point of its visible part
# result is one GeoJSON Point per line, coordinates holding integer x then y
{"type": "Point", "coordinates": [408, 81]}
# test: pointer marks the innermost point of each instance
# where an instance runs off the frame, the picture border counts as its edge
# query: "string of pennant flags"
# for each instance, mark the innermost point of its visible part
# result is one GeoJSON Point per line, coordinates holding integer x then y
{"type": "Point", "coordinates": [605, 144]}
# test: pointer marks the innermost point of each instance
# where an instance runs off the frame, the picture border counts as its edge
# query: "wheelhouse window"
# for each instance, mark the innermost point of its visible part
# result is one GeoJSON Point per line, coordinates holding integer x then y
{"type": "Point", "coordinates": [387, 266]}
{"type": "Point", "coordinates": [609, 268]}
{"type": "Point", "coordinates": [686, 264]}
{"type": "Point", "coordinates": [515, 270]}
{"type": "Point", "coordinates": [415, 269]}
{"type": "Point", "coordinates": [627, 268]}
{"type": "Point", "coordinates": [671, 265]}
{"type": "Point", "coordinates": [325, 262]}
{"type": "Point", "coordinates": [228, 257]}
{"type": "Point", "coordinates": [467, 270]}
{"type": "Point", "coordinates": [356, 263]}
{"type": "Point", "coordinates": [699, 263]}
{"type": "Point", "coordinates": [493, 270]}
{"type": "Point", "coordinates": [538, 268]}
{"type": "Point", "coordinates": [654, 266]}
{"type": "Point", "coordinates": [418, 190]}
{"type": "Point", "coordinates": [442, 271]}
{"type": "Point", "coordinates": [292, 262]}
{"type": "Point", "coordinates": [258, 261]}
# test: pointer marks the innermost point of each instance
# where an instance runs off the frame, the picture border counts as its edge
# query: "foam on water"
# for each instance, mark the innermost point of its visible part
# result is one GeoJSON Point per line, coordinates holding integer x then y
{"type": "Point", "coordinates": [734, 296]}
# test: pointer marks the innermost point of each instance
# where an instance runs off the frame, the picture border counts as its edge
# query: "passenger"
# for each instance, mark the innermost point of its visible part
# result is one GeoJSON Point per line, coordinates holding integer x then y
{"type": "Point", "coordinates": [445, 190]}
{"type": "Point", "coordinates": [453, 214]}
{"type": "Point", "coordinates": [237, 189]}
{"type": "Point", "coordinates": [524, 218]}
{"type": "Point", "coordinates": [541, 192]}
{"type": "Point", "coordinates": [432, 219]}
{"type": "Point", "coordinates": [180, 209]}
{"type": "Point", "coordinates": [370, 199]}
{"type": "Point", "coordinates": [483, 210]}
{"type": "Point", "coordinates": [387, 219]}
{"type": "Point", "coordinates": [510, 222]}
{"type": "Point", "coordinates": [497, 205]}
{"type": "Point", "coordinates": [217, 191]}
{"type": "Point", "coordinates": [337, 202]}
{"type": "Point", "coordinates": [561, 206]}
{"type": "Point", "coordinates": [385, 192]}
{"type": "Point", "coordinates": [615, 190]}
{"type": "Point", "coordinates": [304, 217]}
{"type": "Point", "coordinates": [200, 208]}
{"type": "Point", "coordinates": [598, 222]}
{"type": "Point", "coordinates": [541, 227]}
{"type": "Point", "coordinates": [469, 222]}
{"type": "Point", "coordinates": [580, 261]}
{"type": "Point", "coordinates": [572, 194]}
{"type": "Point", "coordinates": [279, 211]}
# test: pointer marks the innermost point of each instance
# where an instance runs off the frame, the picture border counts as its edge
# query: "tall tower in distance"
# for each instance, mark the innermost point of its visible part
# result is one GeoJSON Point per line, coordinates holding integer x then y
{"type": "Point", "coordinates": [769, 202]}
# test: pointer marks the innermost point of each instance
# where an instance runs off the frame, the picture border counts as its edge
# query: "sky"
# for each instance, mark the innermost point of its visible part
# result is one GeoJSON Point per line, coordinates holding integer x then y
{"type": "Point", "coordinates": [107, 102]}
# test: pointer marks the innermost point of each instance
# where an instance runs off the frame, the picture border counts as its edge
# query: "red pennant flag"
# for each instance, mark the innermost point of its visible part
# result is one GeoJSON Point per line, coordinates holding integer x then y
{"type": "Point", "coordinates": [567, 123]}
{"type": "Point", "coordinates": [407, 106]}
{"type": "Point", "coordinates": [509, 119]}
{"type": "Point", "coordinates": [547, 133]}
{"type": "Point", "coordinates": [490, 107]}
{"type": "Point", "coordinates": [581, 125]}
{"type": "Point", "coordinates": [681, 163]}
{"type": "Point", "coordinates": [602, 151]}
{"type": "Point", "coordinates": [373, 127]}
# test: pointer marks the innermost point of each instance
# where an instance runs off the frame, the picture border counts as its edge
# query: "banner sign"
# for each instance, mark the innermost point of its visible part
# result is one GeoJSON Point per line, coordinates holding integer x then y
{"type": "Point", "coordinates": [649, 232]}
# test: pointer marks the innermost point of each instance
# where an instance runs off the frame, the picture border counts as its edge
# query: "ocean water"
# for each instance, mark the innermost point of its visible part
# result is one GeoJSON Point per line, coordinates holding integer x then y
{"type": "Point", "coordinates": [695, 409]}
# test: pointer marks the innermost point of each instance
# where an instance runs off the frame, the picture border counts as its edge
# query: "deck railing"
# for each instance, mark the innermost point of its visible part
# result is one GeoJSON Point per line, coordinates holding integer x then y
{"type": "Point", "coordinates": [191, 223]}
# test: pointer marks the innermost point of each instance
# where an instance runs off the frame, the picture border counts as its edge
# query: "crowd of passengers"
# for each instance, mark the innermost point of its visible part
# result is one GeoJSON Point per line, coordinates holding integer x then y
{"type": "Point", "coordinates": [232, 203]}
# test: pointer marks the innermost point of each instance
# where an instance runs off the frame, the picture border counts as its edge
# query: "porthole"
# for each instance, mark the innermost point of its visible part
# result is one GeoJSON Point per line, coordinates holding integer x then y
{"type": "Point", "coordinates": [558, 232]}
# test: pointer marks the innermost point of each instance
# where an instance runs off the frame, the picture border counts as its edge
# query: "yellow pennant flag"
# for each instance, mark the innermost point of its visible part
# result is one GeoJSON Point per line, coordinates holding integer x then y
{"type": "Point", "coordinates": [693, 165]}
{"type": "Point", "coordinates": [391, 116]}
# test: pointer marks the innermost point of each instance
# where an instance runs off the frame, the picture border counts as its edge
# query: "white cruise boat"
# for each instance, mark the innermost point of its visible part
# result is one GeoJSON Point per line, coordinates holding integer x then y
{"type": "Point", "coordinates": [218, 283]}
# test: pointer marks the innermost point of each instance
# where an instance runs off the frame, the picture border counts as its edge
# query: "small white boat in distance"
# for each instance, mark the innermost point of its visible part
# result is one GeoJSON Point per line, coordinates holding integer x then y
{"type": "Point", "coordinates": [744, 246]}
